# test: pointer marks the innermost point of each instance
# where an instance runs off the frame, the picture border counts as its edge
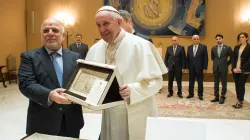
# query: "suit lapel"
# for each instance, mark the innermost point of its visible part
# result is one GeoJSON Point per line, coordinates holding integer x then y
{"type": "Point", "coordinates": [198, 50]}
{"type": "Point", "coordinates": [74, 47]}
{"type": "Point", "coordinates": [66, 61]}
{"type": "Point", "coordinates": [45, 59]}
{"type": "Point", "coordinates": [223, 50]}
{"type": "Point", "coordinates": [172, 50]}
{"type": "Point", "coordinates": [245, 50]}
{"type": "Point", "coordinates": [216, 51]}
{"type": "Point", "coordinates": [237, 52]}
{"type": "Point", "coordinates": [81, 47]}
{"type": "Point", "coordinates": [177, 50]}
{"type": "Point", "coordinates": [192, 50]}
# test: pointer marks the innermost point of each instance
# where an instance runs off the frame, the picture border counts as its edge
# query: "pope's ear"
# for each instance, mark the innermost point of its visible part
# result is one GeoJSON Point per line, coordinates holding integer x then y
{"type": "Point", "coordinates": [119, 21]}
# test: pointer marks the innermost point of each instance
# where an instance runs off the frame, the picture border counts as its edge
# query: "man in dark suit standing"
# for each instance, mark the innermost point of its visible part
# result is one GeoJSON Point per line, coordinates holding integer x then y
{"type": "Point", "coordinates": [127, 25]}
{"type": "Point", "coordinates": [221, 57]}
{"type": "Point", "coordinates": [175, 61]}
{"type": "Point", "coordinates": [43, 75]}
{"type": "Point", "coordinates": [79, 47]}
{"type": "Point", "coordinates": [197, 61]}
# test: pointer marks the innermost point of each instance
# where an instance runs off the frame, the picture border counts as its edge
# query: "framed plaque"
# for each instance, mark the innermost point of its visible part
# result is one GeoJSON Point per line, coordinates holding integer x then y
{"type": "Point", "coordinates": [95, 85]}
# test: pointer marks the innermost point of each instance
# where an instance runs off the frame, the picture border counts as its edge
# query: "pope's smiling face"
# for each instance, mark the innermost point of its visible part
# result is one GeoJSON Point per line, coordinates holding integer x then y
{"type": "Point", "coordinates": [108, 26]}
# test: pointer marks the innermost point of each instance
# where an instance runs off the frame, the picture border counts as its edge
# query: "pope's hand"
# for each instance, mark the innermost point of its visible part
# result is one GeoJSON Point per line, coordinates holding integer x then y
{"type": "Point", "coordinates": [124, 91]}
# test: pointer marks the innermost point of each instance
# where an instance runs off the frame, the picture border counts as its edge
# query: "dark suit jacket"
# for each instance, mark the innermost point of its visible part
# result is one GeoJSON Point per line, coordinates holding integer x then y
{"type": "Point", "coordinates": [221, 62]}
{"type": "Point", "coordinates": [245, 58]}
{"type": "Point", "coordinates": [82, 50]}
{"type": "Point", "coordinates": [37, 77]}
{"type": "Point", "coordinates": [200, 61]}
{"type": "Point", "coordinates": [179, 59]}
{"type": "Point", "coordinates": [144, 37]}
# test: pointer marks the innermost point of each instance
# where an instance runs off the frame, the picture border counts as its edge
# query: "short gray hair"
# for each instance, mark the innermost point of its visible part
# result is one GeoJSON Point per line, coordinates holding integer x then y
{"type": "Point", "coordinates": [125, 15]}
{"type": "Point", "coordinates": [61, 24]}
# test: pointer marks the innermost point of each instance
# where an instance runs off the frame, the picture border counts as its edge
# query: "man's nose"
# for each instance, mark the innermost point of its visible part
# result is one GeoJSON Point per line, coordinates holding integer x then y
{"type": "Point", "coordinates": [50, 32]}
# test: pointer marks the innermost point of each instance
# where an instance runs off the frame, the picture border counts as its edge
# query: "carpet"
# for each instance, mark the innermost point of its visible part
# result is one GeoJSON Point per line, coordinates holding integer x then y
{"type": "Point", "coordinates": [194, 108]}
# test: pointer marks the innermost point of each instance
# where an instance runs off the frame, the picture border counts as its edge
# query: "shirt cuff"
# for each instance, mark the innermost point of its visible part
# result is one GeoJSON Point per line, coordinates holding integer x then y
{"type": "Point", "coordinates": [49, 102]}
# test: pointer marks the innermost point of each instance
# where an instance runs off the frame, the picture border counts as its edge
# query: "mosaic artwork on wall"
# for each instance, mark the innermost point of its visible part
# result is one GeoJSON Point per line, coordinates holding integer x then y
{"type": "Point", "coordinates": [165, 17]}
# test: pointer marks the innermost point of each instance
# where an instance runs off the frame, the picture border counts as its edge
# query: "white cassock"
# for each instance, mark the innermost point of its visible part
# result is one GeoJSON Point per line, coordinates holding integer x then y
{"type": "Point", "coordinates": [141, 68]}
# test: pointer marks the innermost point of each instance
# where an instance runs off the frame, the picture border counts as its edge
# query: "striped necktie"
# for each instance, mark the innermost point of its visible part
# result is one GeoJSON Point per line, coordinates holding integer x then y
{"type": "Point", "coordinates": [59, 72]}
{"type": "Point", "coordinates": [175, 49]}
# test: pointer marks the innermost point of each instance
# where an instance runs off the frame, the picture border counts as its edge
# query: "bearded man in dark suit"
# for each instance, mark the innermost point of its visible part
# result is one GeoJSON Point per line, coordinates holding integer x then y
{"type": "Point", "coordinates": [221, 55]}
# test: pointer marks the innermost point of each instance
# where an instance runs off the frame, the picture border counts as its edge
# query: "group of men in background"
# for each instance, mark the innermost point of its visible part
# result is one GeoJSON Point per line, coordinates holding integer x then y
{"type": "Point", "coordinates": [196, 63]}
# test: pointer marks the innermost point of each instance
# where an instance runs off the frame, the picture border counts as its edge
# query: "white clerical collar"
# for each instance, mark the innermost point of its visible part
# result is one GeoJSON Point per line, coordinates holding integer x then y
{"type": "Point", "coordinates": [119, 37]}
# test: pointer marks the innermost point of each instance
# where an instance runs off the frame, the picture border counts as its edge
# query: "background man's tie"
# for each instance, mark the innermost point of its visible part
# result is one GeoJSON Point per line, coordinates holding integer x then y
{"type": "Point", "coordinates": [59, 71]}
{"type": "Point", "coordinates": [219, 50]}
{"type": "Point", "coordinates": [195, 49]}
{"type": "Point", "coordinates": [78, 45]}
{"type": "Point", "coordinates": [174, 50]}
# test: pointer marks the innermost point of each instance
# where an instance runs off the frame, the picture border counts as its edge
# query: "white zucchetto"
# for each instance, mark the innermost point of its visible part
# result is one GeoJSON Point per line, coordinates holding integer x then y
{"type": "Point", "coordinates": [108, 8]}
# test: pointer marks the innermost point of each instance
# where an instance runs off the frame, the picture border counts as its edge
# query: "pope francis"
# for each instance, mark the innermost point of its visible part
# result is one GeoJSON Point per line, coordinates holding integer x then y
{"type": "Point", "coordinates": [141, 69]}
